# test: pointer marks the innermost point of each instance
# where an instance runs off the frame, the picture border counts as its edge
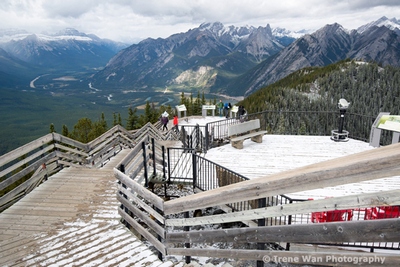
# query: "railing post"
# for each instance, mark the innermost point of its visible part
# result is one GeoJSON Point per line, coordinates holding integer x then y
{"type": "Point", "coordinates": [198, 136]}
{"type": "Point", "coordinates": [184, 136]}
{"type": "Point", "coordinates": [187, 245]}
{"type": "Point", "coordinates": [194, 168]}
{"type": "Point", "coordinates": [169, 164]}
{"type": "Point", "coordinates": [262, 203]}
{"type": "Point", "coordinates": [154, 156]}
{"type": "Point", "coordinates": [159, 238]}
{"type": "Point", "coordinates": [207, 136]}
{"type": "Point", "coordinates": [164, 171]}
{"type": "Point", "coordinates": [122, 169]}
{"type": "Point", "coordinates": [146, 181]}
{"type": "Point", "coordinates": [289, 223]}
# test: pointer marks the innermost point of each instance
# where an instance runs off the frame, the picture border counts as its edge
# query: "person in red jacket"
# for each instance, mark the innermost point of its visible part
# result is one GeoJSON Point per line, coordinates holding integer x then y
{"type": "Point", "coordinates": [175, 121]}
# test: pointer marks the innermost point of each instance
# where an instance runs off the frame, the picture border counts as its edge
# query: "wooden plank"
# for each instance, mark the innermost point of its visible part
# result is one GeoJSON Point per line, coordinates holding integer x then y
{"type": "Point", "coordinates": [98, 142]}
{"type": "Point", "coordinates": [143, 205]}
{"type": "Point", "coordinates": [140, 190]}
{"type": "Point", "coordinates": [27, 160]}
{"type": "Point", "coordinates": [23, 150]}
{"type": "Point", "coordinates": [73, 150]}
{"type": "Point", "coordinates": [16, 192]}
{"type": "Point", "coordinates": [136, 164]}
{"type": "Point", "coordinates": [142, 231]}
{"type": "Point", "coordinates": [68, 141]}
{"type": "Point", "coordinates": [249, 135]}
{"type": "Point", "coordinates": [368, 165]}
{"type": "Point", "coordinates": [386, 198]}
{"type": "Point", "coordinates": [142, 216]}
{"type": "Point", "coordinates": [384, 230]}
{"type": "Point", "coordinates": [66, 156]}
{"type": "Point", "coordinates": [243, 127]}
{"type": "Point", "coordinates": [333, 258]}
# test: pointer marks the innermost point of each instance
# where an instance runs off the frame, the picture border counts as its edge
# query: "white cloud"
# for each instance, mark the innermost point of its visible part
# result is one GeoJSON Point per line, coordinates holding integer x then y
{"type": "Point", "coordinates": [132, 21]}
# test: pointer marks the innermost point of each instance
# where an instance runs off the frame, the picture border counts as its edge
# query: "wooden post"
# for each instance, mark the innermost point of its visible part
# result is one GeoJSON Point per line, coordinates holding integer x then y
{"type": "Point", "coordinates": [125, 222]}
{"type": "Point", "coordinates": [146, 179]}
{"type": "Point", "coordinates": [187, 245]}
{"type": "Point", "coordinates": [194, 168]}
{"type": "Point", "coordinates": [154, 156]}
{"type": "Point", "coordinates": [262, 203]}
{"type": "Point", "coordinates": [159, 238]}
{"type": "Point", "coordinates": [164, 171]}
{"type": "Point", "coordinates": [289, 223]}
{"type": "Point", "coordinates": [169, 165]}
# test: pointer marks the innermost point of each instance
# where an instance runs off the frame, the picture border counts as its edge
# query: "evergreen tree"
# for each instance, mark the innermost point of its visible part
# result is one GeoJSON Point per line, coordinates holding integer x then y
{"type": "Point", "coordinates": [52, 128]}
{"type": "Point", "coordinates": [117, 119]}
{"type": "Point", "coordinates": [96, 130]}
{"type": "Point", "coordinates": [150, 115]}
{"type": "Point", "coordinates": [132, 121]}
{"type": "Point", "coordinates": [82, 130]}
{"type": "Point", "coordinates": [65, 130]}
{"type": "Point", "coordinates": [103, 122]}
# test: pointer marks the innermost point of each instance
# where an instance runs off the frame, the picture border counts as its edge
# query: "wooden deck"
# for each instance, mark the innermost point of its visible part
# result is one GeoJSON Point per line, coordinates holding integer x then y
{"type": "Point", "coordinates": [279, 153]}
{"type": "Point", "coordinates": [72, 220]}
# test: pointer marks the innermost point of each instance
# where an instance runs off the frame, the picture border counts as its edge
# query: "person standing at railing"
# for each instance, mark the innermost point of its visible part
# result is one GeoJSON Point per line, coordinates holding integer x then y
{"type": "Point", "coordinates": [220, 107]}
{"type": "Point", "coordinates": [227, 107]}
{"type": "Point", "coordinates": [242, 114]}
{"type": "Point", "coordinates": [175, 122]}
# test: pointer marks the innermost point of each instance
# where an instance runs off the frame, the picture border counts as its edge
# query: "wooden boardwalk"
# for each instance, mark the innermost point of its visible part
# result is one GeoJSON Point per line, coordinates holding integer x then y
{"type": "Point", "coordinates": [72, 220]}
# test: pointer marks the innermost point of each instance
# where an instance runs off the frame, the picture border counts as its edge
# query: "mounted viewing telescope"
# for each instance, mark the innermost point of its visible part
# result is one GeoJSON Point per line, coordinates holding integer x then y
{"type": "Point", "coordinates": [341, 135]}
{"type": "Point", "coordinates": [343, 104]}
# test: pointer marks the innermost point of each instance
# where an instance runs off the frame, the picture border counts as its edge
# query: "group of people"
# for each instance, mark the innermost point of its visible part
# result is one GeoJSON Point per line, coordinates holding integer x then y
{"type": "Point", "coordinates": [164, 121]}
{"type": "Point", "coordinates": [223, 108]}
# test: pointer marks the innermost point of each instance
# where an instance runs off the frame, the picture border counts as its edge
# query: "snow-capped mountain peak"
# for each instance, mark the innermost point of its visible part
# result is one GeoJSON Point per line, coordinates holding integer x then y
{"type": "Point", "coordinates": [392, 24]}
{"type": "Point", "coordinates": [7, 35]}
{"type": "Point", "coordinates": [282, 32]}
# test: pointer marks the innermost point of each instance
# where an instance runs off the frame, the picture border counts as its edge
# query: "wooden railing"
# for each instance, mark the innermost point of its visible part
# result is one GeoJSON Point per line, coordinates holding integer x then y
{"type": "Point", "coordinates": [169, 224]}
{"type": "Point", "coordinates": [24, 168]}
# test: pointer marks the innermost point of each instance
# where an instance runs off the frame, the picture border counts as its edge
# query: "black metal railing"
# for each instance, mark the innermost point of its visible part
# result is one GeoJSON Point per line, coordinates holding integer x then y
{"type": "Point", "coordinates": [297, 123]}
{"type": "Point", "coordinates": [192, 137]}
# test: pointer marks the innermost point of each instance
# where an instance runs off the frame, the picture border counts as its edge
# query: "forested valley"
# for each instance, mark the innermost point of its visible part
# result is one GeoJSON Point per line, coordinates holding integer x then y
{"type": "Point", "coordinates": [368, 87]}
{"type": "Point", "coordinates": [86, 130]}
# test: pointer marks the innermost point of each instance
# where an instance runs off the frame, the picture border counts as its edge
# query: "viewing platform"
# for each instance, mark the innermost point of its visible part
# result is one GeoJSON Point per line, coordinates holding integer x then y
{"type": "Point", "coordinates": [96, 195]}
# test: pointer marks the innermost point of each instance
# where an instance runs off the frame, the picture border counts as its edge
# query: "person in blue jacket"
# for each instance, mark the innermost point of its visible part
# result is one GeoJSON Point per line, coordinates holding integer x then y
{"type": "Point", "coordinates": [227, 107]}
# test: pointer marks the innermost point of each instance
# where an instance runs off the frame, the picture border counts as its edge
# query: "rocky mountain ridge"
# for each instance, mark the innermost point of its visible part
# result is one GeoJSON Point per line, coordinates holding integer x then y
{"type": "Point", "coordinates": [328, 45]}
{"type": "Point", "coordinates": [212, 58]}
{"type": "Point", "coordinates": [224, 52]}
{"type": "Point", "coordinates": [238, 61]}
{"type": "Point", "coordinates": [67, 50]}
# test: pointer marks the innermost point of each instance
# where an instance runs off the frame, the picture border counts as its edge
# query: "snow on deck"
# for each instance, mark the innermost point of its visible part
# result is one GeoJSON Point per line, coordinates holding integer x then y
{"type": "Point", "coordinates": [279, 153]}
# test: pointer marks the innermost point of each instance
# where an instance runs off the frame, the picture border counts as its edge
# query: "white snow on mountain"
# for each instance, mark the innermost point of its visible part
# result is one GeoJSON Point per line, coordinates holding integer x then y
{"type": "Point", "coordinates": [7, 35]}
{"type": "Point", "coordinates": [392, 24]}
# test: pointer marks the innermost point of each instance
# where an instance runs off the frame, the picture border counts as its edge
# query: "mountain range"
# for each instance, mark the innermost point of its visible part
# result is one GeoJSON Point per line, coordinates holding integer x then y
{"type": "Point", "coordinates": [212, 58]}
{"type": "Point", "coordinates": [238, 61]}
{"type": "Point", "coordinates": [25, 55]}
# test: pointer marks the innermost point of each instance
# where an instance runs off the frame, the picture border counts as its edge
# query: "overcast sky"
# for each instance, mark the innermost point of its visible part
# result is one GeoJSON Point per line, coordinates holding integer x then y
{"type": "Point", "coordinates": [134, 20]}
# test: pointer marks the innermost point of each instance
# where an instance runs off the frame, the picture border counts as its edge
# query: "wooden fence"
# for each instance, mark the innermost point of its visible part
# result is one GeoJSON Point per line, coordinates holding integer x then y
{"type": "Point", "coordinates": [170, 224]}
{"type": "Point", "coordinates": [24, 168]}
